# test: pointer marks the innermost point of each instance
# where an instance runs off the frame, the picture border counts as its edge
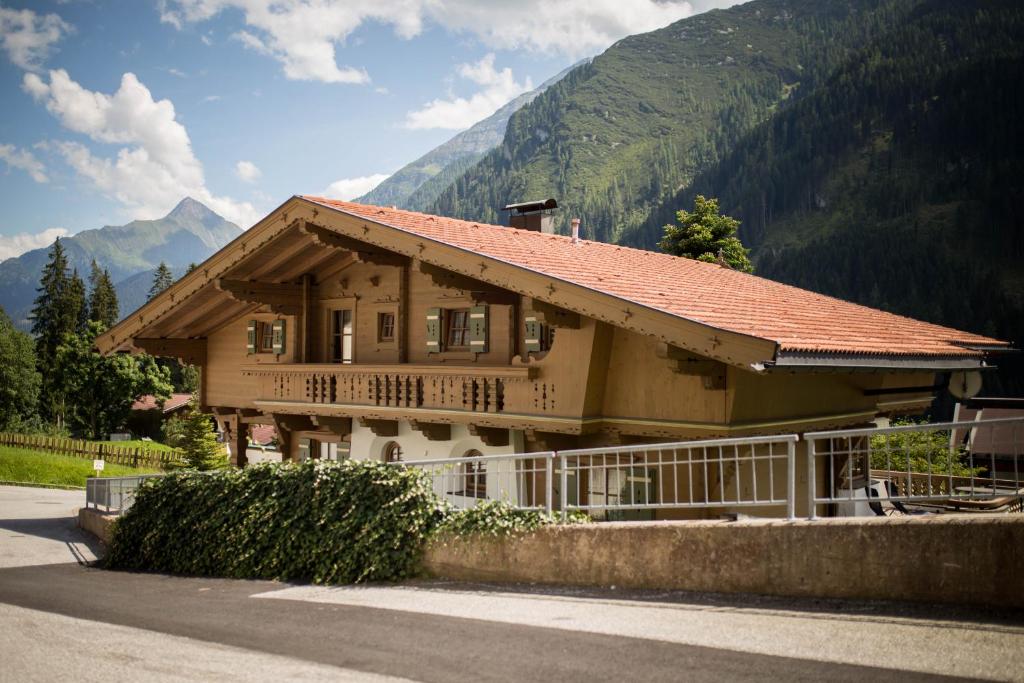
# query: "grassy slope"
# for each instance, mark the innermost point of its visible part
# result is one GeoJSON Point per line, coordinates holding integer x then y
{"type": "Point", "coordinates": [616, 138]}
{"type": "Point", "coordinates": [35, 467]}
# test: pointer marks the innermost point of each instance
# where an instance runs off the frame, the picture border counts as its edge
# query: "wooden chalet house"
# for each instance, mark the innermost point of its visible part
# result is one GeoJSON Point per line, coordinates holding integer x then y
{"type": "Point", "coordinates": [382, 333]}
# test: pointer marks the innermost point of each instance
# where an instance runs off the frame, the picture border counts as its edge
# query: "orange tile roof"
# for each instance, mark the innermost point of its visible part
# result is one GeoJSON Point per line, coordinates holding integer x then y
{"type": "Point", "coordinates": [148, 402]}
{"type": "Point", "coordinates": [798, 320]}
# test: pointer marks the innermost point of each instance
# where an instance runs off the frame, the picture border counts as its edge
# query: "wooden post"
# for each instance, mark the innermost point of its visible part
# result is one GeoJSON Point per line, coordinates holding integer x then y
{"type": "Point", "coordinates": [241, 443]}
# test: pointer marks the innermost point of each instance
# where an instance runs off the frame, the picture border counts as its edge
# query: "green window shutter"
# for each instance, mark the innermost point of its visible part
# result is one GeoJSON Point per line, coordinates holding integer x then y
{"type": "Point", "coordinates": [250, 330]}
{"type": "Point", "coordinates": [533, 331]}
{"type": "Point", "coordinates": [478, 324]}
{"type": "Point", "coordinates": [279, 336]}
{"type": "Point", "coordinates": [433, 330]}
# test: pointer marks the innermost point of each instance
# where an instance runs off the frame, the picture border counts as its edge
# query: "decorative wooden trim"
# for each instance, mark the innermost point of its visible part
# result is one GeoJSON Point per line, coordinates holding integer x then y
{"type": "Point", "coordinates": [481, 371]}
{"type": "Point", "coordinates": [491, 436]}
{"type": "Point", "coordinates": [339, 426]}
{"type": "Point", "coordinates": [434, 431]}
{"type": "Point", "coordinates": [282, 298]}
{"type": "Point", "coordinates": [380, 427]}
{"type": "Point", "coordinates": [361, 251]}
{"type": "Point", "coordinates": [555, 316]}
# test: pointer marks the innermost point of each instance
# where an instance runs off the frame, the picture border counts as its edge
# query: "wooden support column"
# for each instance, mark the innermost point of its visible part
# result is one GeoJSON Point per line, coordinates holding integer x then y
{"type": "Point", "coordinates": [239, 444]}
{"type": "Point", "coordinates": [305, 324]}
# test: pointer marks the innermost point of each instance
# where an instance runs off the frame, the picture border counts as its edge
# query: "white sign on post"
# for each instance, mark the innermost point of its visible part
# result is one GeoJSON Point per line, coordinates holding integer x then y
{"type": "Point", "coordinates": [97, 465]}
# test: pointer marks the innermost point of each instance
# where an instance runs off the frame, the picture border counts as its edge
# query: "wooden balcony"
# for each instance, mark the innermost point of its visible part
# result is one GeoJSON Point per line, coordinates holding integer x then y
{"type": "Point", "coordinates": [470, 389]}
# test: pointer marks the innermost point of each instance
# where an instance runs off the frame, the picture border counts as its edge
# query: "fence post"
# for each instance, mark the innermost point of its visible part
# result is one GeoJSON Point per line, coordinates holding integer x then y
{"type": "Point", "coordinates": [811, 483]}
{"type": "Point", "coordinates": [791, 480]}
{"type": "Point", "coordinates": [564, 495]}
{"type": "Point", "coordinates": [550, 481]}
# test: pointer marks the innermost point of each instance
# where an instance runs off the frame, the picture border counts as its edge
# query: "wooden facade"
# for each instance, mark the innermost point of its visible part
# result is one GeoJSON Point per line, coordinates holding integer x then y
{"type": "Point", "coordinates": [333, 326]}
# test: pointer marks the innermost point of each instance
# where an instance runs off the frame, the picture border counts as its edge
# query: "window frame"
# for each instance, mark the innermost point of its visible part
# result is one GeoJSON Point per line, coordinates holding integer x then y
{"type": "Point", "coordinates": [264, 337]}
{"type": "Point", "coordinates": [474, 475]}
{"type": "Point", "coordinates": [391, 452]}
{"type": "Point", "coordinates": [336, 336]}
{"type": "Point", "coordinates": [450, 315]}
{"type": "Point", "coordinates": [386, 322]}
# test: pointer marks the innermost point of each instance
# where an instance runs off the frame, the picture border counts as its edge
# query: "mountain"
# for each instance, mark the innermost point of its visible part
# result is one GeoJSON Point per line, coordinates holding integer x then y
{"type": "Point", "coordinates": [619, 136]}
{"type": "Point", "coordinates": [872, 150]}
{"type": "Point", "coordinates": [191, 232]}
{"type": "Point", "coordinates": [417, 184]}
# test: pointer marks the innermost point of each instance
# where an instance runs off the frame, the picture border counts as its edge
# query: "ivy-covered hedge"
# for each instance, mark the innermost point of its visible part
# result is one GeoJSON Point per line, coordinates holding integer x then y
{"type": "Point", "coordinates": [342, 522]}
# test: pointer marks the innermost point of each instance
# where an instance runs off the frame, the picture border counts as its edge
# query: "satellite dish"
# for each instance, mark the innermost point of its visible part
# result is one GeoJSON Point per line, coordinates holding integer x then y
{"type": "Point", "coordinates": [965, 383]}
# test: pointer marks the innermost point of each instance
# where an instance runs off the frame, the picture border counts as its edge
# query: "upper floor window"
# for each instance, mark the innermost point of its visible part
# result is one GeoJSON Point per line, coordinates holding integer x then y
{"type": "Point", "coordinates": [457, 334]}
{"type": "Point", "coordinates": [341, 336]}
{"type": "Point", "coordinates": [385, 327]}
{"type": "Point", "coordinates": [265, 335]}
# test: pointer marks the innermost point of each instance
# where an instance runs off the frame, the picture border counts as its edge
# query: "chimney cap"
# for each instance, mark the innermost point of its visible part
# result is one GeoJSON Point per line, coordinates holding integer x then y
{"type": "Point", "coordinates": [535, 205]}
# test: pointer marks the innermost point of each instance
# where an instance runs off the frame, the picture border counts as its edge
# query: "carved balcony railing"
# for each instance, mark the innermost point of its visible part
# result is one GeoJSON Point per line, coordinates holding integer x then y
{"type": "Point", "coordinates": [479, 389]}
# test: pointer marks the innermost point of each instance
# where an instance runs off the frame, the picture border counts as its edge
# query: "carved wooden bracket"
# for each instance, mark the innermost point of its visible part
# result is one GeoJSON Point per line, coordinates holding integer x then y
{"type": "Point", "coordinates": [283, 298]}
{"type": "Point", "coordinates": [293, 423]}
{"type": "Point", "coordinates": [479, 292]}
{"type": "Point", "coordinates": [434, 431]}
{"type": "Point", "coordinates": [340, 426]}
{"type": "Point", "coordinates": [380, 427]}
{"type": "Point", "coordinates": [491, 436]}
{"type": "Point", "coordinates": [555, 316]}
{"type": "Point", "coordinates": [188, 351]}
{"type": "Point", "coordinates": [550, 441]}
{"type": "Point", "coordinates": [361, 251]}
{"type": "Point", "coordinates": [686, 363]}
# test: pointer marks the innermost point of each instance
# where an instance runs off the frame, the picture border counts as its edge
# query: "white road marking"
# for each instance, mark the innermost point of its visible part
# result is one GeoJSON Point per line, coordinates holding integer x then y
{"type": "Point", "coordinates": [906, 644]}
{"type": "Point", "coordinates": [43, 646]}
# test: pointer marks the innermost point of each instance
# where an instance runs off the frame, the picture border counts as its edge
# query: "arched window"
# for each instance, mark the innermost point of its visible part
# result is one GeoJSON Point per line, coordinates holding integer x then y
{"type": "Point", "coordinates": [474, 475]}
{"type": "Point", "coordinates": [392, 452]}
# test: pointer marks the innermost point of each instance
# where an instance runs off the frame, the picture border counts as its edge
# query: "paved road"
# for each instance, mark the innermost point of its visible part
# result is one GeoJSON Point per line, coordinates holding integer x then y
{"type": "Point", "coordinates": [65, 620]}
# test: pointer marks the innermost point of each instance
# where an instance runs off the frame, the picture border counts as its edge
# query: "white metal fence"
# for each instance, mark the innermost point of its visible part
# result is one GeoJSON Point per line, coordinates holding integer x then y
{"type": "Point", "coordinates": [974, 465]}
{"type": "Point", "coordinates": [950, 466]}
{"type": "Point", "coordinates": [114, 494]}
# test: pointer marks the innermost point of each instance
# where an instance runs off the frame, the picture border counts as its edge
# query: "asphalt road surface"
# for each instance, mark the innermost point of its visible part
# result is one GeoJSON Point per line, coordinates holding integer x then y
{"type": "Point", "coordinates": [62, 619]}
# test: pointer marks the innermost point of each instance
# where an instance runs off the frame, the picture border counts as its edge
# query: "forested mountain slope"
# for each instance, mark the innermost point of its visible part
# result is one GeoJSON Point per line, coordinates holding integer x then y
{"type": "Point", "coordinates": [620, 136]}
{"type": "Point", "coordinates": [191, 232]}
{"type": "Point", "coordinates": [898, 182]}
{"type": "Point", "coordinates": [417, 184]}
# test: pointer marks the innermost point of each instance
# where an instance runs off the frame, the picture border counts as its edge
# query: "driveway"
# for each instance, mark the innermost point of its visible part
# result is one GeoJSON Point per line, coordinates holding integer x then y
{"type": "Point", "coordinates": [38, 526]}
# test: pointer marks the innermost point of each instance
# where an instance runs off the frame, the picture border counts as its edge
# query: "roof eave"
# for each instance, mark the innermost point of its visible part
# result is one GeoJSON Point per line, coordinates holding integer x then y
{"type": "Point", "coordinates": [804, 361]}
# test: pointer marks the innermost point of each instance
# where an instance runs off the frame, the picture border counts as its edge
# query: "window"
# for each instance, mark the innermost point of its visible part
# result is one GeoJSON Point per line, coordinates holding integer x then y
{"type": "Point", "coordinates": [265, 335]}
{"type": "Point", "coordinates": [457, 333]}
{"type": "Point", "coordinates": [341, 336]}
{"type": "Point", "coordinates": [474, 476]}
{"type": "Point", "coordinates": [385, 327]}
{"type": "Point", "coordinates": [392, 452]}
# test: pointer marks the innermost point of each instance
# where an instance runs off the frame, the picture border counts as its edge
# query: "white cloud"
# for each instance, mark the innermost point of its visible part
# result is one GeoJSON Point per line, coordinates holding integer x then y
{"type": "Point", "coordinates": [211, 98]}
{"type": "Point", "coordinates": [28, 38]}
{"type": "Point", "coordinates": [177, 72]}
{"type": "Point", "coordinates": [457, 113]}
{"type": "Point", "coordinates": [350, 188]}
{"type": "Point", "coordinates": [304, 34]}
{"type": "Point", "coordinates": [156, 166]}
{"type": "Point", "coordinates": [247, 171]}
{"type": "Point", "coordinates": [16, 245]}
{"type": "Point", "coordinates": [25, 160]}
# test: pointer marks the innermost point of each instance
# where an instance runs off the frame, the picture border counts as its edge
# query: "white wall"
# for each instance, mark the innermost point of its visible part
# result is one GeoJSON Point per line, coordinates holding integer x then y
{"type": "Point", "coordinates": [503, 482]}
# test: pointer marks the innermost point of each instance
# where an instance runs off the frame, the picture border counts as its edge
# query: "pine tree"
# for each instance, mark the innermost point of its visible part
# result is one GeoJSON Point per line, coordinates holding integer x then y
{"type": "Point", "coordinates": [162, 279]}
{"type": "Point", "coordinates": [706, 236]}
{"type": "Point", "coordinates": [48, 322]}
{"type": "Point", "coordinates": [103, 307]}
{"type": "Point", "coordinates": [198, 441]}
{"type": "Point", "coordinates": [76, 310]}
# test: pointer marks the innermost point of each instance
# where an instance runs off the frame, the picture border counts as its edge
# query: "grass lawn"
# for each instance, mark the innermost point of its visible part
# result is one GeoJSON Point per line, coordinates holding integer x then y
{"type": "Point", "coordinates": [35, 467]}
{"type": "Point", "coordinates": [138, 443]}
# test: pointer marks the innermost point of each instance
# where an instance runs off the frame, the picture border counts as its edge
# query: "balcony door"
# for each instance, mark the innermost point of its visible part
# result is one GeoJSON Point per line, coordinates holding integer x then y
{"type": "Point", "coordinates": [342, 342]}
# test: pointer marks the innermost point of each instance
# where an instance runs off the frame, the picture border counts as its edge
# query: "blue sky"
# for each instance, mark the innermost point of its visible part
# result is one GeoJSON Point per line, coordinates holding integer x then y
{"type": "Point", "coordinates": [116, 110]}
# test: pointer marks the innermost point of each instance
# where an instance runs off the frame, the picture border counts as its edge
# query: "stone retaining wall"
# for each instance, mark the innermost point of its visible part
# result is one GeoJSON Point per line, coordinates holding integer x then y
{"type": "Point", "coordinates": [942, 558]}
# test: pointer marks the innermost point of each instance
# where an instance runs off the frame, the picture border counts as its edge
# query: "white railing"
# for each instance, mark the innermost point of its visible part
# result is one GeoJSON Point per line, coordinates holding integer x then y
{"type": "Point", "coordinates": [523, 479]}
{"type": "Point", "coordinates": [626, 481]}
{"type": "Point", "coordinates": [950, 466]}
{"type": "Point", "coordinates": [114, 494]}
{"type": "Point", "coordinates": [971, 465]}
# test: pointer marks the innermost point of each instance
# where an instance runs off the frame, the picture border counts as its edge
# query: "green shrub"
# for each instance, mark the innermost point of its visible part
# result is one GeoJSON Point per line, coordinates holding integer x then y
{"type": "Point", "coordinates": [341, 522]}
{"type": "Point", "coordinates": [925, 451]}
{"type": "Point", "coordinates": [497, 518]}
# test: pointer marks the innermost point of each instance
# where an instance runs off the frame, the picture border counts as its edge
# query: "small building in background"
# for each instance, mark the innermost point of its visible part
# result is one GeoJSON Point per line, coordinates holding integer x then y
{"type": "Point", "coordinates": [148, 416]}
